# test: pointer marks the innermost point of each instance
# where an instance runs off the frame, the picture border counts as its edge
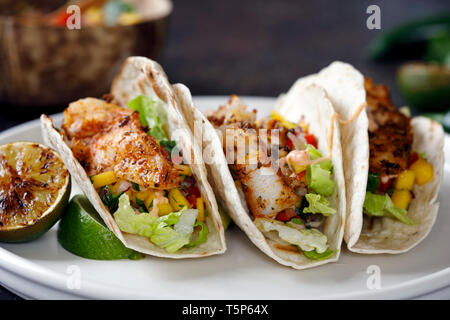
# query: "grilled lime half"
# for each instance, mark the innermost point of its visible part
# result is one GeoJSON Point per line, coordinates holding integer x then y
{"type": "Point", "coordinates": [34, 190]}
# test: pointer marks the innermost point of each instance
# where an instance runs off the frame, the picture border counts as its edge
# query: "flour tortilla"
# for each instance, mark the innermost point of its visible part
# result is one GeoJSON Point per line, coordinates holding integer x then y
{"type": "Point", "coordinates": [345, 88]}
{"type": "Point", "coordinates": [141, 76]}
{"type": "Point", "coordinates": [320, 119]}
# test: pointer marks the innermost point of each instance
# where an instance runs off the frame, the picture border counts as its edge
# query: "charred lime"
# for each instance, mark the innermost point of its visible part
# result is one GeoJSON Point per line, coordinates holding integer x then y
{"type": "Point", "coordinates": [34, 190]}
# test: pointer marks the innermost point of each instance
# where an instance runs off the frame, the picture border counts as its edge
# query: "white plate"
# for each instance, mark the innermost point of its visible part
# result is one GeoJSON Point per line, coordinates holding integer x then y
{"type": "Point", "coordinates": [43, 269]}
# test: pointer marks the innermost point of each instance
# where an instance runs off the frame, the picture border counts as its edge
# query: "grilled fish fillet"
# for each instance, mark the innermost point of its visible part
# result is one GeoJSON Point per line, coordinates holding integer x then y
{"type": "Point", "coordinates": [105, 137]}
{"type": "Point", "coordinates": [390, 136]}
{"type": "Point", "coordinates": [265, 190]}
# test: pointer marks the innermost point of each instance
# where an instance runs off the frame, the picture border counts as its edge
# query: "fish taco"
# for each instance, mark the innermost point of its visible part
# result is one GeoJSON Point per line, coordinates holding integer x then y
{"type": "Point", "coordinates": [393, 163]}
{"type": "Point", "coordinates": [280, 177]}
{"type": "Point", "coordinates": [135, 159]}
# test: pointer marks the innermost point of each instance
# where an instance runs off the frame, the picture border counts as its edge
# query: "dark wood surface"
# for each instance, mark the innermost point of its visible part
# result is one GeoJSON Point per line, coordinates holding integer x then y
{"type": "Point", "coordinates": [252, 47]}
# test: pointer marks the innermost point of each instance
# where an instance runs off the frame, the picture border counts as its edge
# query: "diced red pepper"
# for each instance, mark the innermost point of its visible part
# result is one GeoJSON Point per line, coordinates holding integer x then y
{"type": "Point", "coordinates": [289, 143]}
{"type": "Point", "coordinates": [191, 194]}
{"type": "Point", "coordinates": [301, 175]}
{"type": "Point", "coordinates": [311, 139]}
{"type": "Point", "coordinates": [286, 215]}
{"type": "Point", "coordinates": [413, 158]}
{"type": "Point", "coordinates": [383, 187]}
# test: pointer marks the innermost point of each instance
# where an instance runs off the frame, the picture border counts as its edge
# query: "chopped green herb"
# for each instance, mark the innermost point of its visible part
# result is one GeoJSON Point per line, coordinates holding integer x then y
{"type": "Point", "coordinates": [373, 181]}
{"type": "Point", "coordinates": [168, 145]}
{"type": "Point", "coordinates": [135, 186]}
{"type": "Point", "coordinates": [109, 199]}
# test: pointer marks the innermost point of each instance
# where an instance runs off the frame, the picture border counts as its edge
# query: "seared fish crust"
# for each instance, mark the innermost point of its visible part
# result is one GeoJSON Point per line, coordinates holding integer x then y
{"type": "Point", "coordinates": [104, 137]}
{"type": "Point", "coordinates": [390, 136]}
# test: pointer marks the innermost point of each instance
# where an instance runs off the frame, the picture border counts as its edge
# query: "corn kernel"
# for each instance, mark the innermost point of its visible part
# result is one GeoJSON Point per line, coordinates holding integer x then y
{"type": "Point", "coordinates": [423, 170]}
{"type": "Point", "coordinates": [201, 209]}
{"type": "Point", "coordinates": [405, 180]}
{"type": "Point", "coordinates": [104, 178]}
{"type": "Point", "coordinates": [183, 169]}
{"type": "Point", "coordinates": [164, 208]}
{"type": "Point", "coordinates": [401, 198]}
{"type": "Point", "coordinates": [177, 199]}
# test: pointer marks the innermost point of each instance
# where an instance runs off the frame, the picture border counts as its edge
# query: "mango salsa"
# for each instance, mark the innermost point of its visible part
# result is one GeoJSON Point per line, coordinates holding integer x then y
{"type": "Point", "coordinates": [148, 201]}
{"type": "Point", "coordinates": [423, 171]}
{"type": "Point", "coordinates": [298, 168]}
{"type": "Point", "coordinates": [401, 198]}
{"type": "Point", "coordinates": [142, 195]}
{"type": "Point", "coordinates": [104, 179]}
{"type": "Point", "coordinates": [405, 180]}
{"type": "Point", "coordinates": [201, 209]}
{"type": "Point", "coordinates": [164, 208]}
{"type": "Point", "coordinates": [285, 123]}
{"type": "Point", "coordinates": [183, 169]}
{"type": "Point", "coordinates": [177, 199]}
{"type": "Point", "coordinates": [304, 126]}
{"type": "Point", "coordinates": [276, 116]}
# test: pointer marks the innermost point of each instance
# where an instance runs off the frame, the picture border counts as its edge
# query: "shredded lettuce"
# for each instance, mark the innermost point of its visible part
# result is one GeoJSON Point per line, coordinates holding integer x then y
{"type": "Point", "coordinates": [319, 180]}
{"type": "Point", "coordinates": [173, 239]}
{"type": "Point", "coordinates": [130, 222]}
{"type": "Point", "coordinates": [381, 205]}
{"type": "Point", "coordinates": [314, 154]}
{"type": "Point", "coordinates": [305, 239]}
{"type": "Point", "coordinates": [171, 231]}
{"type": "Point", "coordinates": [202, 235]}
{"type": "Point", "coordinates": [318, 204]}
{"type": "Point", "coordinates": [152, 113]}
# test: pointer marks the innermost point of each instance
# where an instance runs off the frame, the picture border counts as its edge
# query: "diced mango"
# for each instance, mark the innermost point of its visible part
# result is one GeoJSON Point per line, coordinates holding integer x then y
{"type": "Point", "coordinates": [201, 209]}
{"type": "Point", "coordinates": [304, 126]}
{"type": "Point", "coordinates": [177, 199]}
{"type": "Point", "coordinates": [142, 195]}
{"type": "Point", "coordinates": [164, 208]}
{"type": "Point", "coordinates": [183, 169]}
{"type": "Point", "coordinates": [298, 168]}
{"type": "Point", "coordinates": [423, 170]}
{"type": "Point", "coordinates": [276, 116]}
{"type": "Point", "coordinates": [401, 198]}
{"type": "Point", "coordinates": [103, 179]}
{"type": "Point", "coordinates": [115, 187]}
{"type": "Point", "coordinates": [405, 180]}
{"type": "Point", "coordinates": [289, 125]}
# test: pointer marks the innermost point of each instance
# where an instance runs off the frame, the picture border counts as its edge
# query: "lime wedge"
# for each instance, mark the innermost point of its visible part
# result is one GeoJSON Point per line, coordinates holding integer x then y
{"type": "Point", "coordinates": [82, 232]}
